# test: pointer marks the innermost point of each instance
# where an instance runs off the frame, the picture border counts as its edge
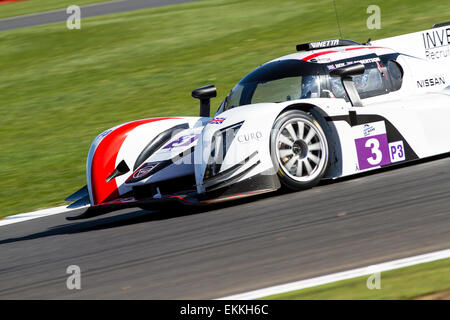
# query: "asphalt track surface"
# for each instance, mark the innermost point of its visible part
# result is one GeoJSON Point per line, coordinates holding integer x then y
{"type": "Point", "coordinates": [86, 11]}
{"type": "Point", "coordinates": [235, 248]}
{"type": "Point", "coordinates": [218, 251]}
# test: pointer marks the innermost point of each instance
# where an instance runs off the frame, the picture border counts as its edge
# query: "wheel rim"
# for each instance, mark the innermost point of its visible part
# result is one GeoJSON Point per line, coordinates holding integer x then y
{"type": "Point", "coordinates": [301, 149]}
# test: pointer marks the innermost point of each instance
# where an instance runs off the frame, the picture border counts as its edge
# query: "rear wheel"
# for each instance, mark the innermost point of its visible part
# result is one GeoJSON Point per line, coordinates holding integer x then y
{"type": "Point", "coordinates": [299, 150]}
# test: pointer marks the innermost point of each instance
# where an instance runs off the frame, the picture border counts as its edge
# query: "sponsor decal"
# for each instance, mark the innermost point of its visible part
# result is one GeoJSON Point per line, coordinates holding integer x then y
{"type": "Point", "coordinates": [182, 141]}
{"type": "Point", "coordinates": [248, 137]}
{"type": "Point", "coordinates": [373, 148]}
{"type": "Point", "coordinates": [347, 63]}
{"type": "Point", "coordinates": [436, 43]}
{"type": "Point", "coordinates": [144, 170]}
{"type": "Point", "coordinates": [324, 44]}
{"type": "Point", "coordinates": [430, 82]}
{"type": "Point", "coordinates": [368, 129]}
{"type": "Point", "coordinates": [217, 120]}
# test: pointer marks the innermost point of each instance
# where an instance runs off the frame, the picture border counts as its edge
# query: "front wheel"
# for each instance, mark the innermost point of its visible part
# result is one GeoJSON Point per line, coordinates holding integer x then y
{"type": "Point", "coordinates": [299, 150]}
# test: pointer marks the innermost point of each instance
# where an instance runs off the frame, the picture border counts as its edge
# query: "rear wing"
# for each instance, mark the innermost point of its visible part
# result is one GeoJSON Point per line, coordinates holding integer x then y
{"type": "Point", "coordinates": [432, 44]}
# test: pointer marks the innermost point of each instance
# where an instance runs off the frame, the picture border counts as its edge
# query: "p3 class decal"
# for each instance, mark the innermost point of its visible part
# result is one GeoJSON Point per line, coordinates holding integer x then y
{"type": "Point", "coordinates": [365, 122]}
{"type": "Point", "coordinates": [373, 148]}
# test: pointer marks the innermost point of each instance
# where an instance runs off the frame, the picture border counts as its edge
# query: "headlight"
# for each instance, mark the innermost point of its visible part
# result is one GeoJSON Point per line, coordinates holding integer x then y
{"type": "Point", "coordinates": [220, 143]}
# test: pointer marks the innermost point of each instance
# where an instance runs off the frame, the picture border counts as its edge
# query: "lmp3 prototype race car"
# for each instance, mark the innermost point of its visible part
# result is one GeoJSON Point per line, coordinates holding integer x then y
{"type": "Point", "coordinates": [334, 108]}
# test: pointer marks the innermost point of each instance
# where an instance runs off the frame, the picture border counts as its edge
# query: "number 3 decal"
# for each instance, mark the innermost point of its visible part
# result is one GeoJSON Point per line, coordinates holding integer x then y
{"type": "Point", "coordinates": [372, 151]}
{"type": "Point", "coordinates": [377, 155]}
{"type": "Point", "coordinates": [373, 148]}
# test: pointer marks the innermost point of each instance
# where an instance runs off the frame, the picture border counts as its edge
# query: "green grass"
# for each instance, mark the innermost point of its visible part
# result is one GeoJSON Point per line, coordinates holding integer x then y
{"type": "Point", "coordinates": [405, 283]}
{"type": "Point", "coordinates": [14, 9]}
{"type": "Point", "coordinates": [59, 88]}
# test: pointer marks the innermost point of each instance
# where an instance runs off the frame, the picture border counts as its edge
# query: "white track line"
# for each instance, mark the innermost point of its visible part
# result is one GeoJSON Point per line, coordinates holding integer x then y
{"type": "Point", "coordinates": [34, 215]}
{"type": "Point", "coordinates": [303, 284]}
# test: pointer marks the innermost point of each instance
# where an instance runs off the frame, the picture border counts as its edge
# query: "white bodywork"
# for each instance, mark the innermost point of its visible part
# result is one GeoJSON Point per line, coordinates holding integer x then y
{"type": "Point", "coordinates": [417, 114]}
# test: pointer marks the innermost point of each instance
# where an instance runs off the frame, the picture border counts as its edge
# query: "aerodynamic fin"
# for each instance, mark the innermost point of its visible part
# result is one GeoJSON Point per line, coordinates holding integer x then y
{"type": "Point", "coordinates": [121, 169]}
{"type": "Point", "coordinates": [83, 192]}
{"type": "Point", "coordinates": [79, 203]}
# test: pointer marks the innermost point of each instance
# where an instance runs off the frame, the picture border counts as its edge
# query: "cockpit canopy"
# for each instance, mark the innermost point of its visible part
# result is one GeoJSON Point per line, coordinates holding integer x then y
{"type": "Point", "coordinates": [290, 79]}
{"type": "Point", "coordinates": [276, 81]}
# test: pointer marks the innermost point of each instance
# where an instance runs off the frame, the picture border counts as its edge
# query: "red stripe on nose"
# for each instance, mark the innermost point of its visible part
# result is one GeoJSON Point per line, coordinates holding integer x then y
{"type": "Point", "coordinates": [104, 161]}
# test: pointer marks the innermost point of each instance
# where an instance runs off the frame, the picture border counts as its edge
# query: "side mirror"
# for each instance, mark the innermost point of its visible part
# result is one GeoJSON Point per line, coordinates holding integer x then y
{"type": "Point", "coordinates": [205, 94]}
{"type": "Point", "coordinates": [346, 73]}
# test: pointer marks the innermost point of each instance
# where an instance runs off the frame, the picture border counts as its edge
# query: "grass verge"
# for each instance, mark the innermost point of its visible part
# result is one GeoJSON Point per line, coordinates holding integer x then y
{"type": "Point", "coordinates": [405, 283]}
{"type": "Point", "coordinates": [59, 88]}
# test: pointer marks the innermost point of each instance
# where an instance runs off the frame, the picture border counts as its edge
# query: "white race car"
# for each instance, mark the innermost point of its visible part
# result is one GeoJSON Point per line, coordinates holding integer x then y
{"type": "Point", "coordinates": [334, 108]}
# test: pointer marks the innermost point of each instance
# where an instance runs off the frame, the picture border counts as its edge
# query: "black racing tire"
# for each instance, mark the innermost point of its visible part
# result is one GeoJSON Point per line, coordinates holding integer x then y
{"type": "Point", "coordinates": [299, 149]}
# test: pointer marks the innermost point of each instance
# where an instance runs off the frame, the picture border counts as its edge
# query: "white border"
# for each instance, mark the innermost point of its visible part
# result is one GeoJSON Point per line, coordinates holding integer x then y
{"type": "Point", "coordinates": [308, 283]}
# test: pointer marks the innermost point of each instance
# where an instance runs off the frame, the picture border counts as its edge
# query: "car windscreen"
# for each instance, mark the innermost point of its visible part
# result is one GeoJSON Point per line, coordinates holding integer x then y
{"type": "Point", "coordinates": [276, 81]}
